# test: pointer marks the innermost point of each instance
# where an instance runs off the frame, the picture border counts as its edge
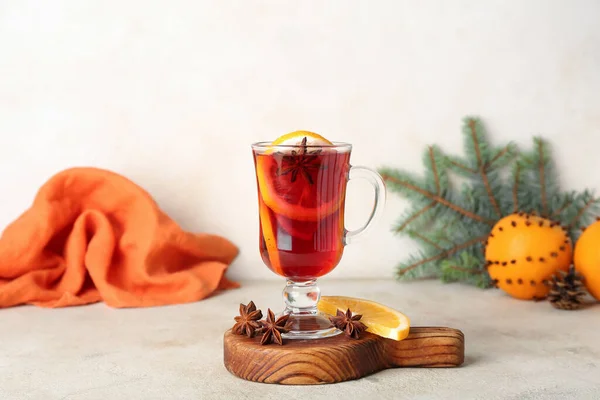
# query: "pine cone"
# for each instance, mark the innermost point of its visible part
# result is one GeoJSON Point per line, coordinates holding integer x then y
{"type": "Point", "coordinates": [566, 290]}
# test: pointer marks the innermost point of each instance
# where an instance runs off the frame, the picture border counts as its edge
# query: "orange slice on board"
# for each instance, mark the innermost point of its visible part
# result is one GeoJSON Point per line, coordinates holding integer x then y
{"type": "Point", "coordinates": [379, 319]}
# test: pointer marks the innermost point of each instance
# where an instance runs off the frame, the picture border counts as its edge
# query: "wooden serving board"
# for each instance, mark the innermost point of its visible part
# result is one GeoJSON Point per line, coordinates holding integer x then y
{"type": "Point", "coordinates": [339, 358]}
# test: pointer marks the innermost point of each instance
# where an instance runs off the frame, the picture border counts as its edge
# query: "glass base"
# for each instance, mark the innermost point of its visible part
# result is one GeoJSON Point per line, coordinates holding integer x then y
{"type": "Point", "coordinates": [310, 327]}
{"type": "Point", "coordinates": [305, 321]}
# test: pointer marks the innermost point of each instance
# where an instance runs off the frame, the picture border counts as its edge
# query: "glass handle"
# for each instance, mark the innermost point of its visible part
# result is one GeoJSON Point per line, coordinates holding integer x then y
{"type": "Point", "coordinates": [380, 192]}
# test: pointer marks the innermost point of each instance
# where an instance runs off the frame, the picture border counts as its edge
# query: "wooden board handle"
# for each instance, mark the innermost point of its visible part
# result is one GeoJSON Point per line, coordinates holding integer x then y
{"type": "Point", "coordinates": [427, 347]}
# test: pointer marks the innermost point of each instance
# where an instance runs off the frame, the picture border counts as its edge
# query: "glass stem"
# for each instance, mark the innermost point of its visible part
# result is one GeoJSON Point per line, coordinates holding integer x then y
{"type": "Point", "coordinates": [301, 298]}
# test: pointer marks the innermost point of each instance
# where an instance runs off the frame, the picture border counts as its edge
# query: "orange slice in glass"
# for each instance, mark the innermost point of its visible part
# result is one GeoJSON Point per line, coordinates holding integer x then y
{"type": "Point", "coordinates": [294, 138]}
{"type": "Point", "coordinates": [294, 199]}
{"type": "Point", "coordinates": [270, 239]}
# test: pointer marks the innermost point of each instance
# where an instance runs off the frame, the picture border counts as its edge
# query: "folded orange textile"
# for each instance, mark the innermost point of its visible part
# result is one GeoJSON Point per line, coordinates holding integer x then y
{"type": "Point", "coordinates": [92, 235]}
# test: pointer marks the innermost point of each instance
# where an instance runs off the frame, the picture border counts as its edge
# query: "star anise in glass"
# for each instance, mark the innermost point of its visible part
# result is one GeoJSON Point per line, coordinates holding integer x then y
{"type": "Point", "coordinates": [248, 322]}
{"type": "Point", "coordinates": [348, 323]}
{"type": "Point", "coordinates": [300, 162]}
{"type": "Point", "coordinates": [273, 329]}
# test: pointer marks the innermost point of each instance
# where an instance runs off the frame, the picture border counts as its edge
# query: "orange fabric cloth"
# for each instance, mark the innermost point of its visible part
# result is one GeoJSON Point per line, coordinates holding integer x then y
{"type": "Point", "coordinates": [92, 235]}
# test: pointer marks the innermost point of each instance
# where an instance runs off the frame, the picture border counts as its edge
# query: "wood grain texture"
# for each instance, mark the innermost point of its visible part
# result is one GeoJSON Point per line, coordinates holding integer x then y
{"type": "Point", "coordinates": [339, 358]}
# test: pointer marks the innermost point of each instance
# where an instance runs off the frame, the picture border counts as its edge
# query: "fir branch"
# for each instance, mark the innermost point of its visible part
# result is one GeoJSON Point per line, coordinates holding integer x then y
{"type": "Point", "coordinates": [426, 240]}
{"type": "Point", "coordinates": [437, 199]}
{"type": "Point", "coordinates": [461, 166]}
{"type": "Point", "coordinates": [578, 210]}
{"type": "Point", "coordinates": [436, 176]}
{"type": "Point", "coordinates": [482, 167]}
{"type": "Point", "coordinates": [540, 148]}
{"type": "Point", "coordinates": [443, 254]}
{"type": "Point", "coordinates": [515, 191]}
{"type": "Point", "coordinates": [561, 209]}
{"type": "Point", "coordinates": [465, 269]}
{"type": "Point", "coordinates": [540, 180]}
{"type": "Point", "coordinates": [500, 153]}
{"type": "Point", "coordinates": [581, 212]}
{"type": "Point", "coordinates": [416, 215]}
{"type": "Point", "coordinates": [467, 266]}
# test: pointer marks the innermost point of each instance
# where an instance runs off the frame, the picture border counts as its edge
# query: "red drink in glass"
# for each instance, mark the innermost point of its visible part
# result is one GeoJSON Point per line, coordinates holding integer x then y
{"type": "Point", "coordinates": [301, 199]}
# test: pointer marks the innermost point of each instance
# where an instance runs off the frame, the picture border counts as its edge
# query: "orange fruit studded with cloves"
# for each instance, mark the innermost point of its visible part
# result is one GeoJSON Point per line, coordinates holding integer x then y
{"type": "Point", "coordinates": [523, 251]}
{"type": "Point", "coordinates": [587, 258]}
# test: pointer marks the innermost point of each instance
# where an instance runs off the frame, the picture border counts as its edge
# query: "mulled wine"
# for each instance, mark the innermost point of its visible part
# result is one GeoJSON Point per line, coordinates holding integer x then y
{"type": "Point", "coordinates": [301, 206]}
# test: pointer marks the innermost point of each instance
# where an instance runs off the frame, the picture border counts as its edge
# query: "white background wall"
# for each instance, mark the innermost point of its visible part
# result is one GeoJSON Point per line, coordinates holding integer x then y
{"type": "Point", "coordinates": [172, 93]}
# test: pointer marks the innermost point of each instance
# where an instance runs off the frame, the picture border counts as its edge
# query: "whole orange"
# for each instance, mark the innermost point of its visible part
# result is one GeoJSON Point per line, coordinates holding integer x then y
{"type": "Point", "coordinates": [523, 251]}
{"type": "Point", "coordinates": [587, 258]}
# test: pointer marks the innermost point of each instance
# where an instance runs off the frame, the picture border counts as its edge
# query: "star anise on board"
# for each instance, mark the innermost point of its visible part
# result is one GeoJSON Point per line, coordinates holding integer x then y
{"type": "Point", "coordinates": [300, 162]}
{"type": "Point", "coordinates": [272, 329]}
{"type": "Point", "coordinates": [248, 322]}
{"type": "Point", "coordinates": [348, 323]}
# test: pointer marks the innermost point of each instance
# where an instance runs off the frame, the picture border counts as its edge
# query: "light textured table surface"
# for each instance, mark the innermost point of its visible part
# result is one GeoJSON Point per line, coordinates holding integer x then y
{"type": "Point", "coordinates": [514, 349]}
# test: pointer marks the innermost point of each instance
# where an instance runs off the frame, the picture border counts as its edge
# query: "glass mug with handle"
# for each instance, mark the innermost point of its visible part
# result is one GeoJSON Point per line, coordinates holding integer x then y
{"type": "Point", "coordinates": [301, 184]}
